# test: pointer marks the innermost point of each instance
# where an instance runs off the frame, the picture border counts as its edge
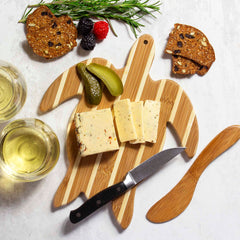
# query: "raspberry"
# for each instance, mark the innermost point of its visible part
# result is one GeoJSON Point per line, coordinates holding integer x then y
{"type": "Point", "coordinates": [100, 29]}
{"type": "Point", "coordinates": [85, 26]}
{"type": "Point", "coordinates": [88, 42]}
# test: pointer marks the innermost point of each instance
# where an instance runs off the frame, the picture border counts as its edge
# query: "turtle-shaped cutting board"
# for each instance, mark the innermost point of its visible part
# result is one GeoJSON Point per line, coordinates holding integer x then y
{"type": "Point", "coordinates": [91, 174]}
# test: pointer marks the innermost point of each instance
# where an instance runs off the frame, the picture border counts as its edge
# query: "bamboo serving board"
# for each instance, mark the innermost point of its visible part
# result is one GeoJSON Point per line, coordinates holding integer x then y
{"type": "Point", "coordinates": [94, 173]}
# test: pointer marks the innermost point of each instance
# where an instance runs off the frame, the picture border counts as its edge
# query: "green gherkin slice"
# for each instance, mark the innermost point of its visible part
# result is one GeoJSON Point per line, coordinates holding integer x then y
{"type": "Point", "coordinates": [109, 77]}
{"type": "Point", "coordinates": [93, 89]}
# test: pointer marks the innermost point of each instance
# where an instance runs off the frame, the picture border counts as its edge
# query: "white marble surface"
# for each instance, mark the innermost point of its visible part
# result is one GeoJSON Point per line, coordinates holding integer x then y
{"type": "Point", "coordinates": [214, 213]}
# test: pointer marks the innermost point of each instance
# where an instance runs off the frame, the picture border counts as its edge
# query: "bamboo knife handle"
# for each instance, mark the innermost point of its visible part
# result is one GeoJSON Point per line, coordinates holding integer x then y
{"type": "Point", "coordinates": [177, 200]}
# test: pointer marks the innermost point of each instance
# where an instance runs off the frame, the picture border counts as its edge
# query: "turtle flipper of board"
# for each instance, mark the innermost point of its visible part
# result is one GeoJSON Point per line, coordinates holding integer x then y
{"type": "Point", "coordinates": [179, 112]}
{"type": "Point", "coordinates": [94, 173]}
{"type": "Point", "coordinates": [66, 86]}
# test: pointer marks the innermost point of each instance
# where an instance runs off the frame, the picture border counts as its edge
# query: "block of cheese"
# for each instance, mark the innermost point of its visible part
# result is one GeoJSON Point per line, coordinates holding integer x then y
{"type": "Point", "coordinates": [137, 112]}
{"type": "Point", "coordinates": [151, 112]}
{"type": "Point", "coordinates": [95, 131]}
{"type": "Point", "coordinates": [124, 120]}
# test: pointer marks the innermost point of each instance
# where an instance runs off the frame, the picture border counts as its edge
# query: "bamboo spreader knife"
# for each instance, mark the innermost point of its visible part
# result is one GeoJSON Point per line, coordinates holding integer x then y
{"type": "Point", "coordinates": [177, 200]}
{"type": "Point", "coordinates": [133, 177]}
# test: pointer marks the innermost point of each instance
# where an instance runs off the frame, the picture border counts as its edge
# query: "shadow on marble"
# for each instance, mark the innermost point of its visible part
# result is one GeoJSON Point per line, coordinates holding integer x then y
{"type": "Point", "coordinates": [12, 192]}
{"type": "Point", "coordinates": [69, 227]}
{"type": "Point", "coordinates": [114, 220]}
{"type": "Point", "coordinates": [178, 142]}
{"type": "Point", "coordinates": [28, 50]}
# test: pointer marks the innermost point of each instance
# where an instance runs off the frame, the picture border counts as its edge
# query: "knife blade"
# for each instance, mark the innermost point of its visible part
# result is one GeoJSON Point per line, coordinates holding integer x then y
{"type": "Point", "coordinates": [132, 178]}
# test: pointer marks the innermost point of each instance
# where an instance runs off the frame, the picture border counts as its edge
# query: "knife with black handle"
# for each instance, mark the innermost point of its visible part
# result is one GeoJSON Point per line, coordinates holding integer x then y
{"type": "Point", "coordinates": [133, 177]}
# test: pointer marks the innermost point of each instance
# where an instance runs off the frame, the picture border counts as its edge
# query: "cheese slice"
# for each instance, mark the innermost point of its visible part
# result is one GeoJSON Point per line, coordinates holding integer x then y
{"type": "Point", "coordinates": [95, 132]}
{"type": "Point", "coordinates": [124, 120]}
{"type": "Point", "coordinates": [137, 112]}
{"type": "Point", "coordinates": [151, 112]}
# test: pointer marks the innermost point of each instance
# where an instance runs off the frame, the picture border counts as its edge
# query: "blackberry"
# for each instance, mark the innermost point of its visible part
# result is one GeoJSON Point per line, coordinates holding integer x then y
{"type": "Point", "coordinates": [88, 42]}
{"type": "Point", "coordinates": [85, 26]}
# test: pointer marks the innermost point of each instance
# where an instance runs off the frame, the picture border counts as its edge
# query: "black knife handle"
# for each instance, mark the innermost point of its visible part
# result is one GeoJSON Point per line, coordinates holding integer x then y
{"type": "Point", "coordinates": [97, 201]}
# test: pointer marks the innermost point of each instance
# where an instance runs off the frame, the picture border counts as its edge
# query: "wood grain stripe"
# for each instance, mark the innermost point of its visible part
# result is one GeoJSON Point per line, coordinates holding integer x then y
{"type": "Point", "coordinates": [160, 89]}
{"type": "Point", "coordinates": [192, 139]}
{"type": "Point", "coordinates": [96, 164]}
{"type": "Point", "coordinates": [78, 158]}
{"type": "Point", "coordinates": [176, 104]}
{"type": "Point", "coordinates": [75, 168]}
{"type": "Point", "coordinates": [162, 143]}
{"type": "Point", "coordinates": [142, 146]}
{"type": "Point", "coordinates": [60, 89]}
{"type": "Point", "coordinates": [71, 179]}
{"type": "Point", "coordinates": [93, 175]}
{"type": "Point", "coordinates": [122, 146]}
{"type": "Point", "coordinates": [158, 96]}
{"type": "Point", "coordinates": [127, 195]}
{"type": "Point", "coordinates": [80, 88]}
{"type": "Point", "coordinates": [145, 74]}
{"type": "Point", "coordinates": [116, 165]}
{"type": "Point", "coordinates": [139, 156]}
{"type": "Point", "coordinates": [188, 128]}
{"type": "Point", "coordinates": [123, 206]}
{"type": "Point", "coordinates": [129, 62]}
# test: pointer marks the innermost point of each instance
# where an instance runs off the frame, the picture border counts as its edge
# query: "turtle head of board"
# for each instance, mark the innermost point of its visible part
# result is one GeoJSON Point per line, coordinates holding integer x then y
{"type": "Point", "coordinates": [93, 173]}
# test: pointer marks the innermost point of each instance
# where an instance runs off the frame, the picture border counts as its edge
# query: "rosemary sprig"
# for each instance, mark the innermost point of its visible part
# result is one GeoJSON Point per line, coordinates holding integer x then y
{"type": "Point", "coordinates": [127, 11]}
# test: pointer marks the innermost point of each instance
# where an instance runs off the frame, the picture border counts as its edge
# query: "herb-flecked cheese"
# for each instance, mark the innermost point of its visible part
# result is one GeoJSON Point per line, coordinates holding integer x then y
{"type": "Point", "coordinates": [124, 120]}
{"type": "Point", "coordinates": [95, 132]}
{"type": "Point", "coordinates": [137, 112]}
{"type": "Point", "coordinates": [151, 111]}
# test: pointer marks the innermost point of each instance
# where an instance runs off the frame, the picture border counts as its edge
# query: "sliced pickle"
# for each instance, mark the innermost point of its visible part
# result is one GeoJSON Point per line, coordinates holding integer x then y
{"type": "Point", "coordinates": [93, 89]}
{"type": "Point", "coordinates": [109, 77]}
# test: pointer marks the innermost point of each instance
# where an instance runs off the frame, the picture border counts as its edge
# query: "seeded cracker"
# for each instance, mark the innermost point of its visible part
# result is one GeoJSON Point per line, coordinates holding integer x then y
{"type": "Point", "coordinates": [48, 35]}
{"type": "Point", "coordinates": [190, 43]}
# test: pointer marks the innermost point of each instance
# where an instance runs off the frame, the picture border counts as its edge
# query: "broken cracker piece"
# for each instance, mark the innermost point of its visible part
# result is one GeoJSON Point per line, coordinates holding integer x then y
{"type": "Point", "coordinates": [184, 66]}
{"type": "Point", "coordinates": [189, 42]}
